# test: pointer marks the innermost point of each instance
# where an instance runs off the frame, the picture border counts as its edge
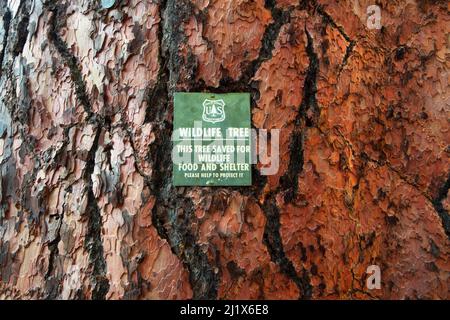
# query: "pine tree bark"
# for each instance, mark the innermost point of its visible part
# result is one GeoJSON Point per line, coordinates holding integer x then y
{"type": "Point", "coordinates": [87, 208]}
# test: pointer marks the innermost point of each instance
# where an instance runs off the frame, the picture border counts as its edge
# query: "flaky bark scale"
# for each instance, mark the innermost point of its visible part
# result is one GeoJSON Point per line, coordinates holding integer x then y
{"type": "Point", "coordinates": [87, 208]}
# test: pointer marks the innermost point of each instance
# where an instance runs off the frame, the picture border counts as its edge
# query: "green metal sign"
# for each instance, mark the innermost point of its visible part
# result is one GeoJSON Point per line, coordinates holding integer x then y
{"type": "Point", "coordinates": [212, 139]}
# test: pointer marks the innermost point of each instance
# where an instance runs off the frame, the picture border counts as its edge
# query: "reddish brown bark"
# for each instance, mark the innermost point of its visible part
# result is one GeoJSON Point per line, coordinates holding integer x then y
{"type": "Point", "coordinates": [87, 206]}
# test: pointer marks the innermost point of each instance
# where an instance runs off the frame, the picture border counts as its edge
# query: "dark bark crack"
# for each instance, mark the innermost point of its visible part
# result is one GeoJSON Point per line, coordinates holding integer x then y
{"type": "Point", "coordinates": [69, 58]}
{"type": "Point", "coordinates": [245, 82]}
{"type": "Point", "coordinates": [22, 28]}
{"type": "Point", "coordinates": [6, 25]}
{"type": "Point", "coordinates": [93, 239]}
{"type": "Point", "coordinates": [274, 244]}
{"type": "Point", "coordinates": [173, 212]}
{"type": "Point", "coordinates": [157, 95]}
{"type": "Point", "coordinates": [439, 207]}
{"type": "Point", "coordinates": [307, 116]}
{"type": "Point", "coordinates": [436, 202]}
{"type": "Point", "coordinates": [280, 18]}
{"type": "Point", "coordinates": [175, 14]}
{"type": "Point", "coordinates": [313, 6]}
{"type": "Point", "coordinates": [51, 279]}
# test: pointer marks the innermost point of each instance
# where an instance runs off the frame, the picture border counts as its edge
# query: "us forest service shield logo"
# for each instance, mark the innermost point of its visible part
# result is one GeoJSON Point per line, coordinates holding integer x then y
{"type": "Point", "coordinates": [213, 111]}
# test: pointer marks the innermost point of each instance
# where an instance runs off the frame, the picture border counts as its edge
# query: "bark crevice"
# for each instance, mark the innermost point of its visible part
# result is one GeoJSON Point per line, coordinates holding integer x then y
{"type": "Point", "coordinates": [6, 25]}
{"type": "Point", "coordinates": [173, 211]}
{"type": "Point", "coordinates": [314, 6]}
{"type": "Point", "coordinates": [280, 18]}
{"type": "Point", "coordinates": [93, 239]}
{"type": "Point", "coordinates": [68, 57]}
{"type": "Point", "coordinates": [439, 206]}
{"type": "Point", "coordinates": [307, 116]}
{"type": "Point", "coordinates": [22, 28]}
{"type": "Point", "coordinates": [274, 243]}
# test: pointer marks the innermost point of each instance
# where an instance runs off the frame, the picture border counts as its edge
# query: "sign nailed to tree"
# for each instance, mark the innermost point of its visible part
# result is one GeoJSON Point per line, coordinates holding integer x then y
{"type": "Point", "coordinates": [212, 139]}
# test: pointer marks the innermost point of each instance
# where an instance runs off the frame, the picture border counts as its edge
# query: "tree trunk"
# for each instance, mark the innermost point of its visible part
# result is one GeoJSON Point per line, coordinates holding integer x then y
{"type": "Point", "coordinates": [87, 207]}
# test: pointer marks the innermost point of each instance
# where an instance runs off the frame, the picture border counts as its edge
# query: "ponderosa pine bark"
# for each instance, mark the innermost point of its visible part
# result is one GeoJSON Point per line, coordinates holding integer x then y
{"type": "Point", "coordinates": [87, 208]}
